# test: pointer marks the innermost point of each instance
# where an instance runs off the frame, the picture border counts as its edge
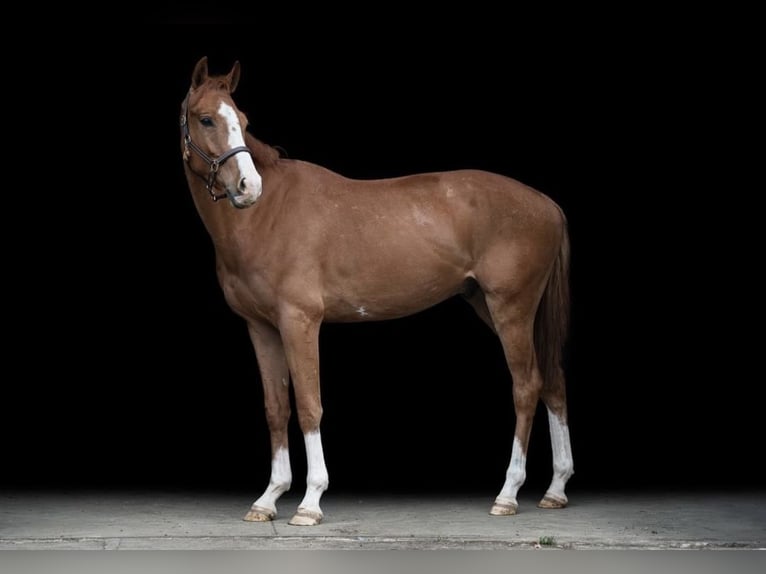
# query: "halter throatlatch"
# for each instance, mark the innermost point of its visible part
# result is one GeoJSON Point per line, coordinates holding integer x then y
{"type": "Point", "coordinates": [213, 163]}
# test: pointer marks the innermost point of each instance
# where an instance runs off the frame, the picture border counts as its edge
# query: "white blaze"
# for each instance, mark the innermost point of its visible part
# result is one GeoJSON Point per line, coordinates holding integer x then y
{"type": "Point", "coordinates": [235, 139]}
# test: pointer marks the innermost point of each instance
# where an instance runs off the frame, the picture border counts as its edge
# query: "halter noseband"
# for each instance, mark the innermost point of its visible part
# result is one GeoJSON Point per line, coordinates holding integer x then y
{"type": "Point", "coordinates": [213, 163]}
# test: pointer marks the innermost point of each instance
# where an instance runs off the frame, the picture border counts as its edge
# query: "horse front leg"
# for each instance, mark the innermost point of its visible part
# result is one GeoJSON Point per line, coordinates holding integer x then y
{"type": "Point", "coordinates": [300, 336]}
{"type": "Point", "coordinates": [275, 377]}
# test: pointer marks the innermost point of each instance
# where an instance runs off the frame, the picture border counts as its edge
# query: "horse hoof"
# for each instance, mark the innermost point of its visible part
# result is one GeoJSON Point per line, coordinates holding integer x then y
{"type": "Point", "coordinates": [552, 501]}
{"type": "Point", "coordinates": [305, 517]}
{"type": "Point", "coordinates": [259, 514]}
{"type": "Point", "coordinates": [504, 508]}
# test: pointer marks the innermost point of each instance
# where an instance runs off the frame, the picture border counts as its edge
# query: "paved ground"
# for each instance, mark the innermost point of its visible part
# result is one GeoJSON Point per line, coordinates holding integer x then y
{"type": "Point", "coordinates": [181, 521]}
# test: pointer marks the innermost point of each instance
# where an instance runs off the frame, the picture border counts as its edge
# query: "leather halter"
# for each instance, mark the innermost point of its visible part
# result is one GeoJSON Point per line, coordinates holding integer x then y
{"type": "Point", "coordinates": [213, 163]}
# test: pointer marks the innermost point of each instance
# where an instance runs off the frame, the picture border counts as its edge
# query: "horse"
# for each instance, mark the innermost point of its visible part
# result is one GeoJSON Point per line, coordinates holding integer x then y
{"type": "Point", "coordinates": [297, 245]}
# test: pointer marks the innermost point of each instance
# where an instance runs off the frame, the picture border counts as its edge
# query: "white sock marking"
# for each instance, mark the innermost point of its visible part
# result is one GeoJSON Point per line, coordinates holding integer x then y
{"type": "Point", "coordinates": [317, 479]}
{"type": "Point", "coordinates": [281, 477]}
{"type": "Point", "coordinates": [563, 465]}
{"type": "Point", "coordinates": [514, 477]}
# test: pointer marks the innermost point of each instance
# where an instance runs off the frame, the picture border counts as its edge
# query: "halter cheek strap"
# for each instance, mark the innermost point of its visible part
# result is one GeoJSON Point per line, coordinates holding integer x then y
{"type": "Point", "coordinates": [213, 163]}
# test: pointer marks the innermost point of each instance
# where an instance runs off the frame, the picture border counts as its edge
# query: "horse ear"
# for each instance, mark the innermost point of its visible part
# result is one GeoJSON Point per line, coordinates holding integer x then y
{"type": "Point", "coordinates": [234, 77]}
{"type": "Point", "coordinates": [199, 75]}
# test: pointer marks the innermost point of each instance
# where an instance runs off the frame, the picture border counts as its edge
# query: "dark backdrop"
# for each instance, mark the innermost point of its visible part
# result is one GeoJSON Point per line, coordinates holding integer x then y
{"type": "Point", "coordinates": [127, 368]}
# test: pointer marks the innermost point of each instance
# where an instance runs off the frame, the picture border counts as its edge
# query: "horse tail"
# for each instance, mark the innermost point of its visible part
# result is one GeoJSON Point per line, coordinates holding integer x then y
{"type": "Point", "coordinates": [552, 318]}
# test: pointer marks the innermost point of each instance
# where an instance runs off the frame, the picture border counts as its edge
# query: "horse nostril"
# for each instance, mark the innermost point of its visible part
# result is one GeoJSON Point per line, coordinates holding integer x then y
{"type": "Point", "coordinates": [241, 185]}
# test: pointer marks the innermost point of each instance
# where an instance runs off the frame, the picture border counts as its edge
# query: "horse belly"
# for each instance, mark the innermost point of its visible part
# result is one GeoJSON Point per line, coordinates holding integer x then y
{"type": "Point", "coordinates": [387, 286]}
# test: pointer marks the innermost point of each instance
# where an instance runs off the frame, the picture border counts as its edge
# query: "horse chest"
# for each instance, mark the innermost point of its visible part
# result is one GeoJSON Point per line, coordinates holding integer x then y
{"type": "Point", "coordinates": [248, 295]}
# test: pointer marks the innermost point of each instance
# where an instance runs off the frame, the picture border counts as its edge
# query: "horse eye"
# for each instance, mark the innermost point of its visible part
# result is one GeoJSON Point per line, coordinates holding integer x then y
{"type": "Point", "coordinates": [206, 121]}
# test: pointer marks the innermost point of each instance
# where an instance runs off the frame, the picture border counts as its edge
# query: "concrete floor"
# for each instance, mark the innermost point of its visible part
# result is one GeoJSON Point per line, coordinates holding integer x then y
{"type": "Point", "coordinates": [179, 521]}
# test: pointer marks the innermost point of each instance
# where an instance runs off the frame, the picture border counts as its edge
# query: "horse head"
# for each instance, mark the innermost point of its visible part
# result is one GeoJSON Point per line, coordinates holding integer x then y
{"type": "Point", "coordinates": [213, 137]}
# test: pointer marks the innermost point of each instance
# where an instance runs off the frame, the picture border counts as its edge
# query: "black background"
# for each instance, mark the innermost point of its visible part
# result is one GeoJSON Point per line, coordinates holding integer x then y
{"type": "Point", "coordinates": [126, 368]}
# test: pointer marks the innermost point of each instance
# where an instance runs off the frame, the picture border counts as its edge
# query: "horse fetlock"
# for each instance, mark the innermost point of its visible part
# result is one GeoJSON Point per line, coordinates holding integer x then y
{"type": "Point", "coordinates": [279, 488]}
{"type": "Point", "coordinates": [563, 471]}
{"type": "Point", "coordinates": [318, 487]}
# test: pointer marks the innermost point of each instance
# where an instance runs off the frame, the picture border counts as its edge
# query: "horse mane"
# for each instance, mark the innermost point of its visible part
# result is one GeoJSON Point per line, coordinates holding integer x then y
{"type": "Point", "coordinates": [263, 154]}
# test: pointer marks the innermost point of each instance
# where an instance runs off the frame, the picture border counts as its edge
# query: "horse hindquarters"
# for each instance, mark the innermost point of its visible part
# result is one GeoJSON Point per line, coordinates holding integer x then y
{"type": "Point", "coordinates": [532, 331]}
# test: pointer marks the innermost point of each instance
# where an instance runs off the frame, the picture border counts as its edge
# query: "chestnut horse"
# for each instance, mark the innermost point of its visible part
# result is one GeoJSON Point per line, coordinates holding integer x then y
{"type": "Point", "coordinates": [297, 244]}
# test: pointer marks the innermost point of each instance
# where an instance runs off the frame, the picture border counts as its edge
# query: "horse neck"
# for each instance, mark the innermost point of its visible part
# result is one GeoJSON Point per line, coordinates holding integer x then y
{"type": "Point", "coordinates": [221, 220]}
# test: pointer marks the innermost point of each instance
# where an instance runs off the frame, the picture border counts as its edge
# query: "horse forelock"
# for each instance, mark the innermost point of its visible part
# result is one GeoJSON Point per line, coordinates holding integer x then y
{"type": "Point", "coordinates": [222, 84]}
{"type": "Point", "coordinates": [216, 85]}
{"type": "Point", "coordinates": [217, 82]}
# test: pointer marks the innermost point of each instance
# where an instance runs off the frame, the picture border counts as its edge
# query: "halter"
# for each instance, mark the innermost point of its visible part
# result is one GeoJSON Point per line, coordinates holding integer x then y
{"type": "Point", "coordinates": [213, 163]}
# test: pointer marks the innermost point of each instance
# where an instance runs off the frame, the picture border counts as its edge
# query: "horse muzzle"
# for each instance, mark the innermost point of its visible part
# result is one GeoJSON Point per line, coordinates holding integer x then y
{"type": "Point", "coordinates": [244, 195]}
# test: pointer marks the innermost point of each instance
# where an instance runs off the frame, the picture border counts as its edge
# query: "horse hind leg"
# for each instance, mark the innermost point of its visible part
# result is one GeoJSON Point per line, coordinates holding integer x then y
{"type": "Point", "coordinates": [554, 397]}
{"type": "Point", "coordinates": [275, 377]}
{"type": "Point", "coordinates": [514, 326]}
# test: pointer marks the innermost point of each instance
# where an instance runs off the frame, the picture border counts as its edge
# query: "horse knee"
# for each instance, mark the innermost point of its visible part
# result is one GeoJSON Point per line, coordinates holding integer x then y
{"type": "Point", "coordinates": [277, 417]}
{"type": "Point", "coordinates": [309, 418]}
